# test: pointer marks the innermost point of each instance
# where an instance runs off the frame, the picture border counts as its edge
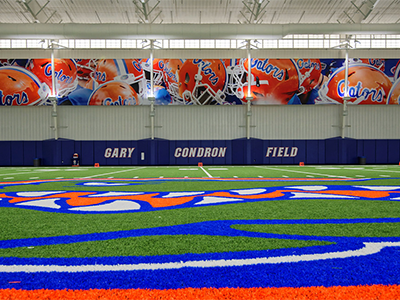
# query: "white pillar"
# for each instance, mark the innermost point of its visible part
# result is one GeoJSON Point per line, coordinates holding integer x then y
{"type": "Point", "coordinates": [249, 98]}
{"type": "Point", "coordinates": [346, 92]}
{"type": "Point", "coordinates": [151, 97]}
{"type": "Point", "coordinates": [53, 95]}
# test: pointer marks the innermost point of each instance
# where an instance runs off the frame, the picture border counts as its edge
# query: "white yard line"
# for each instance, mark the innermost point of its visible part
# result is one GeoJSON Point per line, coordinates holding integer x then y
{"type": "Point", "coordinates": [23, 173]}
{"type": "Point", "coordinates": [368, 249]}
{"type": "Point", "coordinates": [208, 174]}
{"type": "Point", "coordinates": [378, 170]}
{"type": "Point", "coordinates": [302, 172]}
{"type": "Point", "coordinates": [104, 174]}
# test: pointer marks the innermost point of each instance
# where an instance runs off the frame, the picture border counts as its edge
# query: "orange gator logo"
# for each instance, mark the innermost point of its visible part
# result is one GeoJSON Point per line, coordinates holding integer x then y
{"type": "Point", "coordinates": [65, 201]}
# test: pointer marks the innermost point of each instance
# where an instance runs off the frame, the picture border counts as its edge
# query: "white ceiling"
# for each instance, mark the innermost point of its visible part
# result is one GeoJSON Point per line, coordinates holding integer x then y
{"type": "Point", "coordinates": [200, 11]}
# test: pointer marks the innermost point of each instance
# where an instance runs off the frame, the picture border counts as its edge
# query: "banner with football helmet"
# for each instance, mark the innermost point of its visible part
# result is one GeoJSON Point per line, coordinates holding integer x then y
{"type": "Point", "coordinates": [198, 81]}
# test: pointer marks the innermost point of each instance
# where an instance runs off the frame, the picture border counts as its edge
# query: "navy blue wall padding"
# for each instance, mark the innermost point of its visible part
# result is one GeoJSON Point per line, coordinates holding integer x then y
{"type": "Point", "coordinates": [194, 160]}
{"type": "Point", "coordinates": [163, 153]}
{"type": "Point", "coordinates": [238, 152]}
{"type": "Point", "coordinates": [99, 148]}
{"type": "Point", "coordinates": [123, 158]}
{"type": "Point", "coordinates": [370, 151]}
{"type": "Point", "coordinates": [221, 145]}
{"type": "Point", "coordinates": [287, 144]}
{"type": "Point", "coordinates": [78, 149]}
{"type": "Point", "coordinates": [332, 151]}
{"type": "Point", "coordinates": [352, 154]}
{"type": "Point", "coordinates": [17, 153]}
{"type": "Point", "coordinates": [212, 152]}
{"type": "Point", "coordinates": [393, 151]}
{"type": "Point", "coordinates": [301, 154]}
{"type": "Point", "coordinates": [257, 152]}
{"type": "Point", "coordinates": [381, 152]}
{"type": "Point", "coordinates": [67, 151]}
{"type": "Point", "coordinates": [273, 158]}
{"type": "Point", "coordinates": [312, 155]}
{"type": "Point", "coordinates": [87, 153]}
{"type": "Point", "coordinates": [360, 148]}
{"type": "Point", "coordinates": [266, 159]}
{"type": "Point", "coordinates": [144, 148]}
{"type": "Point", "coordinates": [29, 152]}
{"type": "Point", "coordinates": [5, 153]}
{"type": "Point", "coordinates": [321, 152]}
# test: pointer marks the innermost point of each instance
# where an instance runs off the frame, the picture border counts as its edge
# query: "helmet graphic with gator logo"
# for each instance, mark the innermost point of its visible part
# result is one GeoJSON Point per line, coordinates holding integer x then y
{"type": "Point", "coordinates": [19, 86]}
{"type": "Point", "coordinates": [366, 85]}
{"type": "Point", "coordinates": [394, 94]}
{"type": "Point", "coordinates": [310, 74]}
{"type": "Point", "coordinates": [203, 82]}
{"type": "Point", "coordinates": [158, 67]}
{"type": "Point", "coordinates": [114, 93]}
{"type": "Point", "coordinates": [85, 67]}
{"type": "Point", "coordinates": [272, 81]}
{"type": "Point", "coordinates": [171, 74]}
{"type": "Point", "coordinates": [129, 71]}
{"type": "Point", "coordinates": [65, 74]}
{"type": "Point", "coordinates": [397, 71]}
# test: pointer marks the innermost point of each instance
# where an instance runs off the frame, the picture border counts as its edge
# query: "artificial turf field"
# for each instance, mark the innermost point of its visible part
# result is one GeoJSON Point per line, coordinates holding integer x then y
{"type": "Point", "coordinates": [230, 232]}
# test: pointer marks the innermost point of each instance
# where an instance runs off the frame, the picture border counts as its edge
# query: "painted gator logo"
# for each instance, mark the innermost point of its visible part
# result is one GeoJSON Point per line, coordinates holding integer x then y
{"type": "Point", "coordinates": [111, 202]}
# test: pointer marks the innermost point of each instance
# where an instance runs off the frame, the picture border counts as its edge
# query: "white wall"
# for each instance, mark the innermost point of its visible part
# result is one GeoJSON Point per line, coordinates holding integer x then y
{"type": "Point", "coordinates": [200, 122]}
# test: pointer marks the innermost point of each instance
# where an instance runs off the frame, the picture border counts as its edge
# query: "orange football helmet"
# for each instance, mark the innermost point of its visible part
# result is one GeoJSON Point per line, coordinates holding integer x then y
{"type": "Point", "coordinates": [158, 67]}
{"type": "Point", "coordinates": [367, 85]}
{"type": "Point", "coordinates": [273, 81]}
{"type": "Point", "coordinates": [129, 71]}
{"type": "Point", "coordinates": [310, 74]}
{"type": "Point", "coordinates": [65, 74]}
{"type": "Point", "coordinates": [171, 74]}
{"type": "Point", "coordinates": [397, 71]}
{"type": "Point", "coordinates": [19, 86]}
{"type": "Point", "coordinates": [114, 93]}
{"type": "Point", "coordinates": [394, 94]}
{"type": "Point", "coordinates": [85, 67]}
{"type": "Point", "coordinates": [203, 81]}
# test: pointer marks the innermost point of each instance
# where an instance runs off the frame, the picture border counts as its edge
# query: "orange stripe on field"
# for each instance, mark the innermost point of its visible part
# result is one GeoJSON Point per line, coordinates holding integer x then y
{"type": "Point", "coordinates": [303, 293]}
{"type": "Point", "coordinates": [152, 199]}
{"type": "Point", "coordinates": [274, 194]}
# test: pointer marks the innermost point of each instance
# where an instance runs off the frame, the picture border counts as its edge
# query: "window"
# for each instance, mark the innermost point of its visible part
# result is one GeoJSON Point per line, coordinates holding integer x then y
{"type": "Point", "coordinates": [300, 43]}
{"type": "Point", "coordinates": [176, 43]}
{"type": "Point", "coordinates": [316, 43]}
{"type": "Point", "coordinates": [270, 43]}
{"type": "Point", "coordinates": [285, 43]}
{"type": "Point", "coordinates": [378, 44]}
{"type": "Point", "coordinates": [207, 43]}
{"type": "Point", "coordinates": [5, 44]}
{"type": "Point", "coordinates": [192, 44]}
{"type": "Point", "coordinates": [392, 43]}
{"type": "Point", "coordinates": [34, 44]}
{"type": "Point", "coordinates": [222, 44]}
{"type": "Point", "coordinates": [82, 44]}
{"type": "Point", "coordinates": [18, 43]}
{"type": "Point", "coordinates": [113, 43]}
{"type": "Point", "coordinates": [97, 43]}
{"type": "Point", "coordinates": [128, 44]}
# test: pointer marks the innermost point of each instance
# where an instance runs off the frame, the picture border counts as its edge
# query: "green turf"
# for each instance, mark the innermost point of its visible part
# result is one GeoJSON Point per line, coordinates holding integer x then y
{"type": "Point", "coordinates": [367, 171]}
{"type": "Point", "coordinates": [157, 245]}
{"type": "Point", "coordinates": [20, 223]}
{"type": "Point", "coordinates": [351, 230]}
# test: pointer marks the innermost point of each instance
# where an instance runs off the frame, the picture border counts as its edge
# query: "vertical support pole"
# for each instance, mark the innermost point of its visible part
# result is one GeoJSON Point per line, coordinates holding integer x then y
{"type": "Point", "coordinates": [151, 68]}
{"type": "Point", "coordinates": [53, 96]}
{"type": "Point", "coordinates": [151, 97]}
{"type": "Point", "coordinates": [249, 98]}
{"type": "Point", "coordinates": [346, 92]}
